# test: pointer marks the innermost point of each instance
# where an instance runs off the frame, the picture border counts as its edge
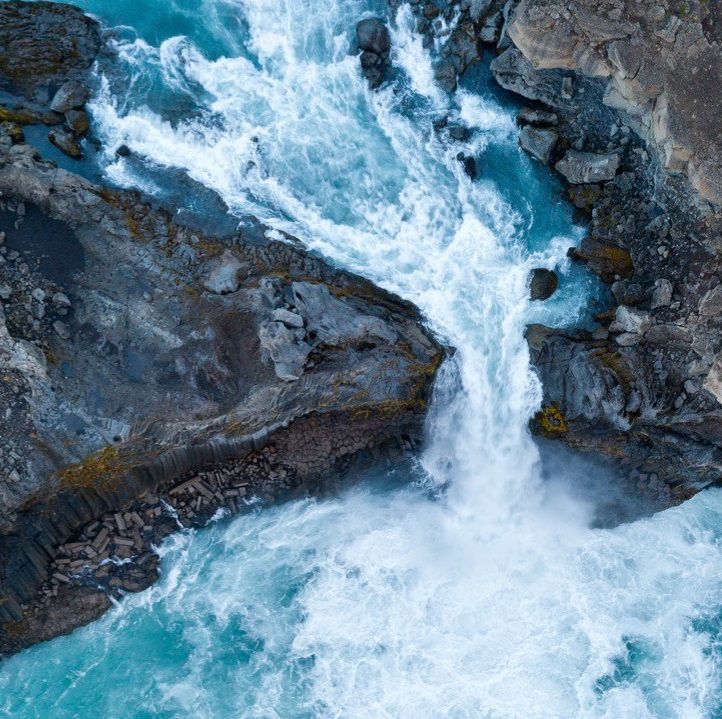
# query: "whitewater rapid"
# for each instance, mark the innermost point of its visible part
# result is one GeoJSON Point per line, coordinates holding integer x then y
{"type": "Point", "coordinates": [471, 583]}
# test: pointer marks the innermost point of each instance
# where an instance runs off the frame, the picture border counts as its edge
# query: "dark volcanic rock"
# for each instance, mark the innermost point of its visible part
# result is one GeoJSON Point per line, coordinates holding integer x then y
{"type": "Point", "coordinates": [77, 121]}
{"type": "Point", "coordinates": [153, 374]}
{"type": "Point", "coordinates": [314, 363]}
{"type": "Point", "coordinates": [517, 74]}
{"type": "Point", "coordinates": [373, 36]}
{"type": "Point", "coordinates": [538, 142]}
{"type": "Point", "coordinates": [445, 75]}
{"type": "Point", "coordinates": [588, 167]}
{"type": "Point", "coordinates": [71, 95]}
{"type": "Point", "coordinates": [374, 41]}
{"type": "Point", "coordinates": [468, 162]}
{"type": "Point", "coordinates": [65, 141]}
{"type": "Point", "coordinates": [632, 91]}
{"type": "Point", "coordinates": [661, 63]}
{"type": "Point", "coordinates": [543, 284]}
{"type": "Point", "coordinates": [610, 262]}
{"type": "Point", "coordinates": [45, 44]}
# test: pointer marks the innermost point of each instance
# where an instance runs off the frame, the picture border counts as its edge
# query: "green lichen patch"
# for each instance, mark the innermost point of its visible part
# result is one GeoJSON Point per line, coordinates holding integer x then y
{"type": "Point", "coordinates": [550, 422]}
{"type": "Point", "coordinates": [107, 464]}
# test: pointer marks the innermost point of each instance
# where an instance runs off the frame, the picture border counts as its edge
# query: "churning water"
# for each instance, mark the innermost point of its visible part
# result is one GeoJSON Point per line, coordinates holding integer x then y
{"type": "Point", "coordinates": [465, 585]}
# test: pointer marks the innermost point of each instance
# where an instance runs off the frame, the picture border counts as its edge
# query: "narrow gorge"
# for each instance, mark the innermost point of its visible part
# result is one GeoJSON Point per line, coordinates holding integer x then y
{"type": "Point", "coordinates": [360, 358]}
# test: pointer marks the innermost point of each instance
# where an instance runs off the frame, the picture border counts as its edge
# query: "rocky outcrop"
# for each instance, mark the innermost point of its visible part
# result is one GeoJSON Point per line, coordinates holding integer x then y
{"type": "Point", "coordinates": [641, 388]}
{"type": "Point", "coordinates": [630, 91]}
{"type": "Point", "coordinates": [47, 51]}
{"type": "Point", "coordinates": [661, 62]}
{"type": "Point", "coordinates": [131, 375]}
{"type": "Point", "coordinates": [374, 43]}
{"type": "Point", "coordinates": [44, 45]}
{"type": "Point", "coordinates": [153, 373]}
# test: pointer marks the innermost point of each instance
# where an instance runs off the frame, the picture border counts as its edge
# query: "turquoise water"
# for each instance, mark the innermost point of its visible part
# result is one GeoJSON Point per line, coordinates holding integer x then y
{"type": "Point", "coordinates": [495, 598]}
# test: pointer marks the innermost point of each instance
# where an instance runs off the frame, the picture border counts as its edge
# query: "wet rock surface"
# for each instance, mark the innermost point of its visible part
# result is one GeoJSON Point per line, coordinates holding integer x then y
{"type": "Point", "coordinates": [153, 373]}
{"type": "Point", "coordinates": [374, 42]}
{"type": "Point", "coordinates": [640, 389]}
{"type": "Point", "coordinates": [543, 284]}
{"type": "Point", "coordinates": [539, 142]}
{"type": "Point", "coordinates": [660, 63]}
{"type": "Point", "coordinates": [47, 52]}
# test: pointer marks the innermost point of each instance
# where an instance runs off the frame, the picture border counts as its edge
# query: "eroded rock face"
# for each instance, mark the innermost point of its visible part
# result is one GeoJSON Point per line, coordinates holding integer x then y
{"type": "Point", "coordinates": [44, 45]}
{"type": "Point", "coordinates": [661, 62]}
{"type": "Point", "coordinates": [154, 375]}
{"type": "Point", "coordinates": [147, 366]}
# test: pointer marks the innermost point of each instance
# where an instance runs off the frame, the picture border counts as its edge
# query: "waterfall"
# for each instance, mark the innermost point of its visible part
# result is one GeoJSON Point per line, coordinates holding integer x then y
{"type": "Point", "coordinates": [470, 583]}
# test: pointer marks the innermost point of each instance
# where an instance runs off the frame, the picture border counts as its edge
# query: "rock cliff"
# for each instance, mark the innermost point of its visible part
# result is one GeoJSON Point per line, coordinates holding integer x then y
{"type": "Point", "coordinates": [151, 373]}
{"type": "Point", "coordinates": [661, 63]}
{"type": "Point", "coordinates": [622, 101]}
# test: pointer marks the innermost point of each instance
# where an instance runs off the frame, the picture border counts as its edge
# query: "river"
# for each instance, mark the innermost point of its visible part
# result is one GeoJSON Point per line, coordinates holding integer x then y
{"type": "Point", "coordinates": [482, 580]}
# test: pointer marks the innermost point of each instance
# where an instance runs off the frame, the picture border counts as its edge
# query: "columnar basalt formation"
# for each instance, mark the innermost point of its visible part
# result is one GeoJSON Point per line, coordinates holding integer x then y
{"type": "Point", "coordinates": [152, 374]}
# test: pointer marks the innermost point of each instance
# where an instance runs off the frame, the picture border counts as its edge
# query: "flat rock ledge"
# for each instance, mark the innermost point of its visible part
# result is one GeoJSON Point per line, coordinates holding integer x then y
{"type": "Point", "coordinates": [152, 374]}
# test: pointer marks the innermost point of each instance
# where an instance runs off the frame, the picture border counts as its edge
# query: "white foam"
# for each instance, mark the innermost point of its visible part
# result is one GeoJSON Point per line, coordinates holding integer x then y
{"type": "Point", "coordinates": [497, 601]}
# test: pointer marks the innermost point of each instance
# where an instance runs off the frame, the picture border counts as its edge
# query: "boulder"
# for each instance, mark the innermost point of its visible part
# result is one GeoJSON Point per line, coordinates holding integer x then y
{"type": "Point", "coordinates": [588, 167]}
{"type": "Point", "coordinates": [445, 75]}
{"type": "Point", "coordinates": [463, 48]}
{"type": "Point", "coordinates": [585, 196]}
{"type": "Point", "coordinates": [543, 284]}
{"type": "Point", "coordinates": [13, 131]}
{"type": "Point", "coordinates": [516, 74]}
{"type": "Point", "coordinates": [711, 303]}
{"type": "Point", "coordinates": [662, 295]}
{"type": "Point", "coordinates": [374, 68]}
{"type": "Point", "coordinates": [627, 293]}
{"type": "Point", "coordinates": [290, 319]}
{"type": "Point", "coordinates": [286, 348]}
{"type": "Point", "coordinates": [461, 133]}
{"type": "Point", "coordinates": [713, 381]}
{"type": "Point", "coordinates": [631, 321]}
{"type": "Point", "coordinates": [374, 41]}
{"type": "Point", "coordinates": [373, 36]}
{"type": "Point", "coordinates": [77, 121]}
{"type": "Point", "coordinates": [490, 31]}
{"type": "Point", "coordinates": [468, 162]}
{"type": "Point", "coordinates": [222, 278]}
{"type": "Point", "coordinates": [667, 335]}
{"type": "Point", "coordinates": [538, 142]}
{"type": "Point", "coordinates": [478, 9]}
{"type": "Point", "coordinates": [65, 141]}
{"type": "Point", "coordinates": [71, 95]}
{"type": "Point", "coordinates": [608, 261]}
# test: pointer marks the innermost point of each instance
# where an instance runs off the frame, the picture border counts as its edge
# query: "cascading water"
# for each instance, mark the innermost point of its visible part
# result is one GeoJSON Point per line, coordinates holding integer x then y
{"type": "Point", "coordinates": [494, 599]}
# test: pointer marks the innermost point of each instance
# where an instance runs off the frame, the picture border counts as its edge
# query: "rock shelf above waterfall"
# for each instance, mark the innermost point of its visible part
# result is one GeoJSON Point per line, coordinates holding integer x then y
{"type": "Point", "coordinates": [153, 374]}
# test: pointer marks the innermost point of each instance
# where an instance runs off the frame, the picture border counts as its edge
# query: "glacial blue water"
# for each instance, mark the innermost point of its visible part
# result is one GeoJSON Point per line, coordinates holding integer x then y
{"type": "Point", "coordinates": [497, 598]}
